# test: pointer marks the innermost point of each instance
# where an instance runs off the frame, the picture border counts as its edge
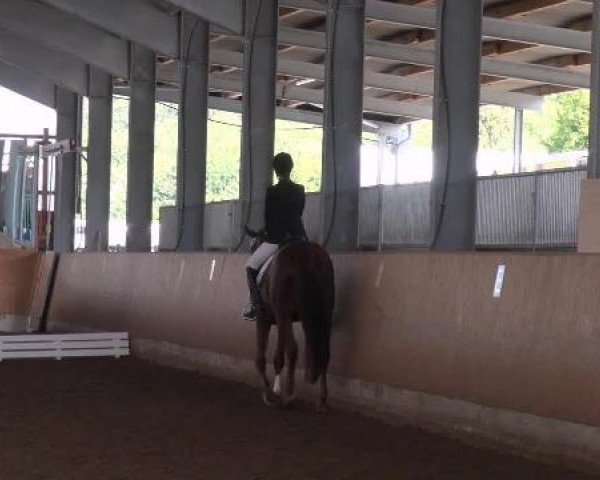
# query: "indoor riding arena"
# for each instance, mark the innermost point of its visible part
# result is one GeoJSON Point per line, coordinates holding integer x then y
{"type": "Point", "coordinates": [442, 298]}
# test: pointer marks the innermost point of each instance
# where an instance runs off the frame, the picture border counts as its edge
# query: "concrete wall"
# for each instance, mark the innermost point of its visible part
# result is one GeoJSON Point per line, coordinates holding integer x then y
{"type": "Point", "coordinates": [419, 322]}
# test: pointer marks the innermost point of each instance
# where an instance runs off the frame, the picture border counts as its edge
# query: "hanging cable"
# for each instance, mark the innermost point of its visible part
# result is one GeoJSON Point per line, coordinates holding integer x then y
{"type": "Point", "coordinates": [220, 122]}
{"type": "Point", "coordinates": [212, 120]}
{"type": "Point", "coordinates": [183, 134]}
{"type": "Point", "coordinates": [331, 74]}
{"type": "Point", "coordinates": [440, 209]}
{"type": "Point", "coordinates": [248, 94]}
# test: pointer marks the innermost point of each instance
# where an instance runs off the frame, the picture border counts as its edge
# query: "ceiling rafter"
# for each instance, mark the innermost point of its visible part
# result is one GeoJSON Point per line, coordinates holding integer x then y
{"type": "Point", "coordinates": [507, 10]}
{"type": "Point", "coordinates": [518, 8]}
{"type": "Point", "coordinates": [295, 69]}
{"type": "Point", "coordinates": [511, 9]}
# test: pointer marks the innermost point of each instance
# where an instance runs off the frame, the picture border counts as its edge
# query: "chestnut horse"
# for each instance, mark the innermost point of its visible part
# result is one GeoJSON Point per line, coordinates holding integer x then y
{"type": "Point", "coordinates": [297, 287]}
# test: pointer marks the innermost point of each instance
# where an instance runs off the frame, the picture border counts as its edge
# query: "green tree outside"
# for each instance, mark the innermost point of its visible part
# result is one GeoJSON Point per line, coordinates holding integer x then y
{"type": "Point", "coordinates": [561, 126]}
{"type": "Point", "coordinates": [496, 128]}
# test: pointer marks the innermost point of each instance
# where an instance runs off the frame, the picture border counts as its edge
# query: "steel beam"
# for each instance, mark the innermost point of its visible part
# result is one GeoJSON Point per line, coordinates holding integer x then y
{"type": "Point", "coordinates": [416, 56]}
{"type": "Point", "coordinates": [41, 23]}
{"type": "Point", "coordinates": [522, 101]}
{"type": "Point", "coordinates": [343, 124]}
{"type": "Point", "coordinates": [535, 34]}
{"type": "Point", "coordinates": [140, 164]}
{"type": "Point", "coordinates": [593, 166]}
{"type": "Point", "coordinates": [310, 5]}
{"type": "Point", "coordinates": [535, 73]}
{"type": "Point", "coordinates": [28, 85]}
{"type": "Point", "coordinates": [228, 14]}
{"type": "Point", "coordinates": [382, 81]}
{"type": "Point", "coordinates": [61, 69]}
{"type": "Point", "coordinates": [494, 28]}
{"type": "Point", "coordinates": [258, 115]}
{"type": "Point", "coordinates": [282, 113]}
{"type": "Point", "coordinates": [316, 96]}
{"type": "Point", "coordinates": [135, 20]}
{"type": "Point", "coordinates": [171, 95]}
{"type": "Point", "coordinates": [68, 126]}
{"type": "Point", "coordinates": [456, 125]}
{"type": "Point", "coordinates": [99, 160]}
{"type": "Point", "coordinates": [193, 117]}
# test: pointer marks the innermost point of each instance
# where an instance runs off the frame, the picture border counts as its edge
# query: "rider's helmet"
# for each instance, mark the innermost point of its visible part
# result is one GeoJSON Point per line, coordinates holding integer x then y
{"type": "Point", "coordinates": [283, 164]}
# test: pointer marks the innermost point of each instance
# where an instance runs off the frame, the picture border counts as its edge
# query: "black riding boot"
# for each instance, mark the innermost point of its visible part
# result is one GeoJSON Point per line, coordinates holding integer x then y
{"type": "Point", "coordinates": [255, 302]}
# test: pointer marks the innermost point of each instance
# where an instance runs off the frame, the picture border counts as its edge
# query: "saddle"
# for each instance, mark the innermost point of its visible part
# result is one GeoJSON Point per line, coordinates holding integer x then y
{"type": "Point", "coordinates": [265, 268]}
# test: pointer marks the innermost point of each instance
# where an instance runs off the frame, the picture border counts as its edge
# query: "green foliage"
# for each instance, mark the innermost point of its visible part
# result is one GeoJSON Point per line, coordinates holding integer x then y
{"type": "Point", "coordinates": [120, 145]}
{"type": "Point", "coordinates": [422, 134]}
{"type": "Point", "coordinates": [223, 157]}
{"type": "Point", "coordinates": [305, 144]}
{"type": "Point", "coordinates": [165, 157]}
{"type": "Point", "coordinates": [302, 141]}
{"type": "Point", "coordinates": [496, 128]}
{"type": "Point", "coordinates": [562, 125]}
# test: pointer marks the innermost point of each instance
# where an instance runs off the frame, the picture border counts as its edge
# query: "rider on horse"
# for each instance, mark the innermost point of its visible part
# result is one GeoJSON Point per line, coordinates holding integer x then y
{"type": "Point", "coordinates": [283, 223]}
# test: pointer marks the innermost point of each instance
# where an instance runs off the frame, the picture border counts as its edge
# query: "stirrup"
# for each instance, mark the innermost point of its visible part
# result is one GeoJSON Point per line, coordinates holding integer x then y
{"type": "Point", "coordinates": [249, 314]}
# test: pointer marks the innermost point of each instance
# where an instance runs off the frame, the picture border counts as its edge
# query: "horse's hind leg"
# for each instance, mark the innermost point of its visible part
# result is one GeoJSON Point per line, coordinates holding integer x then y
{"type": "Point", "coordinates": [292, 355]}
{"type": "Point", "coordinates": [323, 392]}
{"type": "Point", "coordinates": [262, 338]}
{"type": "Point", "coordinates": [279, 358]}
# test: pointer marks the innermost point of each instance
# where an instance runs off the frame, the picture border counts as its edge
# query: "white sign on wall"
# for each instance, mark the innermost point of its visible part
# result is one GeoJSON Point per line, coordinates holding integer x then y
{"type": "Point", "coordinates": [499, 281]}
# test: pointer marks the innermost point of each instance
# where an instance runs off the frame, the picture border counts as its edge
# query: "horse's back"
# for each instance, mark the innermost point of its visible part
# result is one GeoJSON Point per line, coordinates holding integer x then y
{"type": "Point", "coordinates": [304, 273]}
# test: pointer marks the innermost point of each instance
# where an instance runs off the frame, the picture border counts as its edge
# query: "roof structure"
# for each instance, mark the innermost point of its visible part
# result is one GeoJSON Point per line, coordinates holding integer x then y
{"type": "Point", "coordinates": [531, 48]}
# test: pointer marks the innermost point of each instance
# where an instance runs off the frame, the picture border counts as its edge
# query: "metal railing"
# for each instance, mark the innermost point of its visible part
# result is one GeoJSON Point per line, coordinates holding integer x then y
{"type": "Point", "coordinates": [515, 211]}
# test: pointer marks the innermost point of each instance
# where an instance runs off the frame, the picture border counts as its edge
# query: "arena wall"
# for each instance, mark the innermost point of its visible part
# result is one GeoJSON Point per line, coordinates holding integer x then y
{"type": "Point", "coordinates": [421, 333]}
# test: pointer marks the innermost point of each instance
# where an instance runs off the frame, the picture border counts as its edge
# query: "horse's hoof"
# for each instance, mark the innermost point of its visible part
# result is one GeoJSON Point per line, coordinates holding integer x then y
{"type": "Point", "coordinates": [271, 399]}
{"type": "Point", "coordinates": [289, 401]}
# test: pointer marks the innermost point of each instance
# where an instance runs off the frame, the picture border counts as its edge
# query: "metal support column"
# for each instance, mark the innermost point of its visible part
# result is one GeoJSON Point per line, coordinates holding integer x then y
{"type": "Point", "coordinates": [3, 187]}
{"type": "Point", "coordinates": [343, 123]}
{"type": "Point", "coordinates": [258, 110]}
{"type": "Point", "coordinates": [594, 153]}
{"type": "Point", "coordinates": [68, 126]}
{"type": "Point", "coordinates": [193, 118]}
{"type": "Point", "coordinates": [456, 124]}
{"type": "Point", "coordinates": [12, 207]}
{"type": "Point", "coordinates": [99, 159]}
{"type": "Point", "coordinates": [140, 166]}
{"type": "Point", "coordinates": [518, 141]}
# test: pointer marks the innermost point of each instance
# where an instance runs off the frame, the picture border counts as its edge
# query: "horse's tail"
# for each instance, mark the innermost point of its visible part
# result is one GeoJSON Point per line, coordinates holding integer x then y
{"type": "Point", "coordinates": [316, 321]}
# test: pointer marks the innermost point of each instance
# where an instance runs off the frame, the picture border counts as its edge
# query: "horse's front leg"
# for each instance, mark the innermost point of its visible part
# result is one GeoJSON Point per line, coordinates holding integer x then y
{"type": "Point", "coordinates": [322, 404]}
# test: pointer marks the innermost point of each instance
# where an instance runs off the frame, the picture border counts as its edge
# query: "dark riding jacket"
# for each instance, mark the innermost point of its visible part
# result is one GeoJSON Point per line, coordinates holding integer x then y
{"type": "Point", "coordinates": [283, 212]}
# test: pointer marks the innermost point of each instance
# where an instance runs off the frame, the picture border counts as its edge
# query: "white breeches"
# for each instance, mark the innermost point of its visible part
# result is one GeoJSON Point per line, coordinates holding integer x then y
{"type": "Point", "coordinates": [262, 254]}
